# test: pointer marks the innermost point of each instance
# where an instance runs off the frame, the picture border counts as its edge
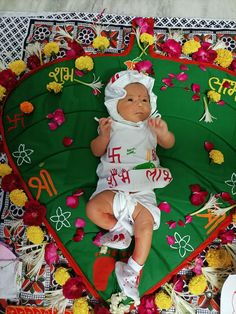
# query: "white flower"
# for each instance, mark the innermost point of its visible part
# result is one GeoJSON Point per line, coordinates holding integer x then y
{"type": "Point", "coordinates": [61, 219]}
{"type": "Point", "coordinates": [207, 117]}
{"type": "Point", "coordinates": [182, 244]}
{"type": "Point", "coordinates": [22, 155]}
{"type": "Point", "coordinates": [232, 183]}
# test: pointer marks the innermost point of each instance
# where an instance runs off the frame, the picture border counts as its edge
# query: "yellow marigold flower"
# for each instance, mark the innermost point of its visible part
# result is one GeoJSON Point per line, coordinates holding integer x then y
{"type": "Point", "coordinates": [213, 96]}
{"type": "Point", "coordinates": [197, 285]}
{"type": "Point", "coordinates": [18, 197]}
{"type": "Point", "coordinates": [101, 43]}
{"type": "Point", "coordinates": [147, 39]}
{"type": "Point", "coordinates": [163, 301]}
{"type": "Point", "coordinates": [80, 306]}
{"type": "Point", "coordinates": [17, 66]}
{"type": "Point", "coordinates": [190, 47]}
{"type": "Point", "coordinates": [61, 275]}
{"type": "Point", "coordinates": [5, 169]}
{"type": "Point", "coordinates": [35, 234]}
{"type": "Point", "coordinates": [218, 258]}
{"type": "Point", "coordinates": [54, 87]}
{"type": "Point", "coordinates": [216, 156]}
{"type": "Point", "coordinates": [84, 63]}
{"type": "Point", "coordinates": [224, 57]}
{"type": "Point", "coordinates": [51, 48]}
{"type": "Point", "coordinates": [2, 92]}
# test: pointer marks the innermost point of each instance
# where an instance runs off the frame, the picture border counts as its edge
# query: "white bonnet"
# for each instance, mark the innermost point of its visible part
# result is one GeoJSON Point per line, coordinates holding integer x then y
{"type": "Point", "coordinates": [115, 91]}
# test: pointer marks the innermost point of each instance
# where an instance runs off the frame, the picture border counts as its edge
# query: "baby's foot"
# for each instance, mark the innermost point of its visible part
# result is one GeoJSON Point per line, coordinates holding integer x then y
{"type": "Point", "coordinates": [128, 281]}
{"type": "Point", "coordinates": [117, 239]}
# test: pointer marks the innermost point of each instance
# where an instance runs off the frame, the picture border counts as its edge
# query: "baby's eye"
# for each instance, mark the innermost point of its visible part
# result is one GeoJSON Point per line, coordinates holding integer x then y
{"type": "Point", "coordinates": [145, 100]}
{"type": "Point", "coordinates": [130, 99]}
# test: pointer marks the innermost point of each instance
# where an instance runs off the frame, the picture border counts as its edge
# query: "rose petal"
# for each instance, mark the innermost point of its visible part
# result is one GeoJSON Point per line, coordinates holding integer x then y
{"type": "Point", "coordinates": [182, 76]}
{"type": "Point", "coordinates": [171, 75]}
{"type": "Point", "coordinates": [52, 126]}
{"type": "Point", "coordinates": [195, 187]}
{"type": "Point", "coordinates": [226, 84]}
{"type": "Point", "coordinates": [79, 192]}
{"type": "Point", "coordinates": [168, 81]}
{"type": "Point", "coordinates": [195, 88]}
{"type": "Point", "coordinates": [202, 67]}
{"type": "Point", "coordinates": [171, 224]}
{"type": "Point", "coordinates": [72, 201]}
{"type": "Point", "coordinates": [195, 97]}
{"type": "Point", "coordinates": [170, 240]}
{"type": "Point", "coordinates": [96, 240]}
{"type": "Point", "coordinates": [183, 67]}
{"type": "Point", "coordinates": [164, 206]}
{"type": "Point", "coordinates": [79, 235]}
{"type": "Point", "coordinates": [80, 223]}
{"type": "Point", "coordinates": [67, 141]}
{"type": "Point", "coordinates": [208, 146]}
{"type": "Point", "coordinates": [79, 73]}
{"type": "Point", "coordinates": [221, 103]}
{"type": "Point", "coordinates": [188, 219]}
{"type": "Point", "coordinates": [51, 255]}
{"type": "Point", "coordinates": [163, 87]}
{"type": "Point", "coordinates": [181, 223]}
{"type": "Point", "coordinates": [225, 196]}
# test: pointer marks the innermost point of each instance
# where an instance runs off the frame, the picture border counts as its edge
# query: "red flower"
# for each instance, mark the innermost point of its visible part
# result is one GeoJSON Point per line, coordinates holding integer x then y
{"type": "Point", "coordinates": [11, 182]}
{"type": "Point", "coordinates": [178, 283]}
{"type": "Point", "coordinates": [204, 53]}
{"type": "Point", "coordinates": [147, 305]}
{"type": "Point", "coordinates": [233, 65]}
{"type": "Point", "coordinates": [34, 213]}
{"type": "Point", "coordinates": [8, 79]}
{"type": "Point", "coordinates": [146, 25]}
{"type": "Point", "coordinates": [172, 48]}
{"type": "Point", "coordinates": [33, 62]}
{"type": "Point", "coordinates": [79, 235]}
{"type": "Point", "coordinates": [75, 50]}
{"type": "Point", "coordinates": [51, 256]}
{"type": "Point", "coordinates": [144, 66]}
{"type": "Point", "coordinates": [226, 237]}
{"type": "Point", "coordinates": [73, 288]}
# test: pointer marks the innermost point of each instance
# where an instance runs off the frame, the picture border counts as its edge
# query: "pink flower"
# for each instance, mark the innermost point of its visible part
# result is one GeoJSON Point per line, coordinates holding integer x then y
{"type": "Point", "coordinates": [226, 236]}
{"type": "Point", "coordinates": [146, 25]}
{"type": "Point", "coordinates": [182, 76]}
{"type": "Point", "coordinates": [170, 240]}
{"type": "Point", "coordinates": [195, 88]}
{"type": "Point", "coordinates": [147, 305]}
{"type": "Point", "coordinates": [72, 201]}
{"type": "Point", "coordinates": [178, 283]}
{"type": "Point", "coordinates": [96, 240]}
{"type": "Point", "coordinates": [78, 235]}
{"type": "Point", "coordinates": [144, 66]}
{"type": "Point", "coordinates": [164, 206]}
{"type": "Point", "coordinates": [73, 288]}
{"type": "Point", "coordinates": [67, 141]}
{"type": "Point", "coordinates": [58, 118]}
{"type": "Point", "coordinates": [80, 223]}
{"type": "Point", "coordinates": [197, 269]}
{"type": "Point", "coordinates": [172, 48]}
{"type": "Point", "coordinates": [205, 53]}
{"type": "Point", "coordinates": [51, 256]}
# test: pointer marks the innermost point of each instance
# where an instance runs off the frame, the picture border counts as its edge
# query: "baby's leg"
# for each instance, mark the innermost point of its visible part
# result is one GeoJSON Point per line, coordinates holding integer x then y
{"type": "Point", "coordinates": [100, 210]}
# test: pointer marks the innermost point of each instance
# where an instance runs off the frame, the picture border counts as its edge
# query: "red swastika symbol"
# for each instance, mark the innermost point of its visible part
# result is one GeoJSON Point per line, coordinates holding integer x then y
{"type": "Point", "coordinates": [115, 157]}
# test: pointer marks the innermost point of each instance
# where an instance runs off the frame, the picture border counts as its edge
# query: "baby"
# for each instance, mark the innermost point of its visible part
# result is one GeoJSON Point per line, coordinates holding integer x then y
{"type": "Point", "coordinates": [124, 202]}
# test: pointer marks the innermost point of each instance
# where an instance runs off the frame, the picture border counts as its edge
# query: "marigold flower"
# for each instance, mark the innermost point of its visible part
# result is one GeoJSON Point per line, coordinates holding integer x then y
{"type": "Point", "coordinates": [224, 57]}
{"type": "Point", "coordinates": [84, 63]}
{"type": "Point", "coordinates": [101, 43]}
{"type": "Point", "coordinates": [5, 169]}
{"type": "Point", "coordinates": [2, 92]}
{"type": "Point", "coordinates": [213, 96]}
{"type": "Point", "coordinates": [26, 107]}
{"type": "Point", "coordinates": [190, 47]}
{"type": "Point", "coordinates": [216, 156]}
{"type": "Point", "coordinates": [61, 275]}
{"type": "Point", "coordinates": [163, 301]}
{"type": "Point", "coordinates": [218, 258]}
{"type": "Point", "coordinates": [147, 39]}
{"type": "Point", "coordinates": [17, 66]}
{"type": "Point", "coordinates": [51, 48]}
{"type": "Point", "coordinates": [80, 306]}
{"type": "Point", "coordinates": [35, 234]}
{"type": "Point", "coordinates": [18, 197]}
{"type": "Point", "coordinates": [197, 285]}
{"type": "Point", "coordinates": [54, 87]}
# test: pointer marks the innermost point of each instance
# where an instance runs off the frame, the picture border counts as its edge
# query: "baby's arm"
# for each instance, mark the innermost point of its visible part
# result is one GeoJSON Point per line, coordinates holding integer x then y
{"type": "Point", "coordinates": [99, 144]}
{"type": "Point", "coordinates": [165, 138]}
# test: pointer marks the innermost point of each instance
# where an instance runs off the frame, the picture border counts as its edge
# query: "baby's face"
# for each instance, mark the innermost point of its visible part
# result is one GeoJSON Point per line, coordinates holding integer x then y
{"type": "Point", "coordinates": [135, 106]}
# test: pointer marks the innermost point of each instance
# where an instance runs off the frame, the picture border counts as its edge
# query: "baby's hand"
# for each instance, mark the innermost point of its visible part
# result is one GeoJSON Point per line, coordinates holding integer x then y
{"type": "Point", "coordinates": [105, 127]}
{"type": "Point", "coordinates": [159, 127]}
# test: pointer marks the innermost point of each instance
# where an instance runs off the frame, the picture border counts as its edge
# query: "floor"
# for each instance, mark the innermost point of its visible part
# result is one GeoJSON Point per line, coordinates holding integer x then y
{"type": "Point", "coordinates": [210, 9]}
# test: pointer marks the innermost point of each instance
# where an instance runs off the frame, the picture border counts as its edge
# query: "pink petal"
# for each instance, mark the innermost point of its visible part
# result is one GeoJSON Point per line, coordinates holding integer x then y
{"type": "Point", "coordinates": [67, 141]}
{"type": "Point", "coordinates": [79, 73]}
{"type": "Point", "coordinates": [79, 192]}
{"type": "Point", "coordinates": [79, 235]}
{"type": "Point", "coordinates": [195, 88]}
{"type": "Point", "coordinates": [208, 146]}
{"type": "Point", "coordinates": [181, 223]}
{"type": "Point", "coordinates": [163, 88]}
{"type": "Point", "coordinates": [202, 67]}
{"type": "Point", "coordinates": [171, 75]}
{"type": "Point", "coordinates": [72, 201]}
{"type": "Point", "coordinates": [171, 224]}
{"type": "Point", "coordinates": [226, 84]}
{"type": "Point", "coordinates": [164, 206]}
{"type": "Point", "coordinates": [80, 223]}
{"type": "Point", "coordinates": [188, 219]}
{"type": "Point", "coordinates": [182, 76]}
{"type": "Point", "coordinates": [178, 284]}
{"type": "Point", "coordinates": [49, 116]}
{"type": "Point", "coordinates": [196, 97]}
{"type": "Point", "coordinates": [183, 67]}
{"type": "Point", "coordinates": [225, 196]}
{"type": "Point", "coordinates": [221, 103]}
{"type": "Point", "coordinates": [170, 240]}
{"type": "Point", "coordinates": [97, 238]}
{"type": "Point", "coordinates": [167, 81]}
{"type": "Point", "coordinates": [51, 256]}
{"type": "Point", "coordinates": [52, 126]}
{"type": "Point", "coordinates": [59, 116]}
{"type": "Point", "coordinates": [195, 187]}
